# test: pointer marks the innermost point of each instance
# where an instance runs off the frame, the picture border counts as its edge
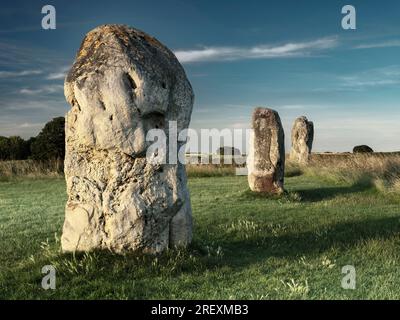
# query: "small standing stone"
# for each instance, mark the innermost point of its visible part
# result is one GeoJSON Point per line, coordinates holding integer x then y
{"type": "Point", "coordinates": [266, 158]}
{"type": "Point", "coordinates": [302, 140]}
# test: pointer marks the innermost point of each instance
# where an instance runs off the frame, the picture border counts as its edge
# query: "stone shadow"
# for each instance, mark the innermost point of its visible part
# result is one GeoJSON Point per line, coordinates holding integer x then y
{"type": "Point", "coordinates": [326, 193]}
{"type": "Point", "coordinates": [341, 236]}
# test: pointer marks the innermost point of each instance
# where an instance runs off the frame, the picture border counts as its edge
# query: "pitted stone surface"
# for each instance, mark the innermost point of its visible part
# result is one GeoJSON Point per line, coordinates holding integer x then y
{"type": "Point", "coordinates": [123, 84]}
{"type": "Point", "coordinates": [302, 140]}
{"type": "Point", "coordinates": [266, 158]}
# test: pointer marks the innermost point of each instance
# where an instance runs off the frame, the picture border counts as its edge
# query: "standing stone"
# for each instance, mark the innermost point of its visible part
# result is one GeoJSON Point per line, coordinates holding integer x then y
{"type": "Point", "coordinates": [266, 158]}
{"type": "Point", "coordinates": [123, 84]}
{"type": "Point", "coordinates": [302, 140]}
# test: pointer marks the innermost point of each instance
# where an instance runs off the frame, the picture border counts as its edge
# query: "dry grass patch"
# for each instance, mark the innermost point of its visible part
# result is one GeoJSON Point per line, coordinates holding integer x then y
{"type": "Point", "coordinates": [381, 170]}
{"type": "Point", "coordinates": [30, 168]}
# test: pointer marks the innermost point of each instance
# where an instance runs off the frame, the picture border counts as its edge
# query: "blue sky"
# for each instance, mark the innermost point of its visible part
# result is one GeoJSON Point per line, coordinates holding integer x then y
{"type": "Point", "coordinates": [292, 56]}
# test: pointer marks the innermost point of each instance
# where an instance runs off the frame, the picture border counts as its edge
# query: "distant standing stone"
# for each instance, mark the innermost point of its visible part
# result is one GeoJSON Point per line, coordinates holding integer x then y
{"type": "Point", "coordinates": [123, 84]}
{"type": "Point", "coordinates": [302, 140]}
{"type": "Point", "coordinates": [266, 157]}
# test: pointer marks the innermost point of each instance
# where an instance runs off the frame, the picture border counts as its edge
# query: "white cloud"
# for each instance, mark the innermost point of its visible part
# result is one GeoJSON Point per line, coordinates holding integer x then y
{"type": "Point", "coordinates": [59, 74]}
{"type": "Point", "coordinates": [39, 106]}
{"type": "Point", "coordinates": [384, 44]}
{"type": "Point", "coordinates": [22, 57]}
{"type": "Point", "coordinates": [298, 49]}
{"type": "Point", "coordinates": [23, 73]}
{"type": "Point", "coordinates": [342, 133]}
{"type": "Point", "coordinates": [56, 76]}
{"type": "Point", "coordinates": [293, 107]}
{"type": "Point", "coordinates": [25, 116]}
{"type": "Point", "coordinates": [241, 125]}
{"type": "Point", "coordinates": [386, 76]}
{"type": "Point", "coordinates": [42, 90]}
{"type": "Point", "coordinates": [31, 125]}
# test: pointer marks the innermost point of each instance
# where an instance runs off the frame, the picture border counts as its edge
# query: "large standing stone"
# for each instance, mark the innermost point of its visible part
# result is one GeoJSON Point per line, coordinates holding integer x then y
{"type": "Point", "coordinates": [302, 140]}
{"type": "Point", "coordinates": [122, 84]}
{"type": "Point", "coordinates": [266, 158]}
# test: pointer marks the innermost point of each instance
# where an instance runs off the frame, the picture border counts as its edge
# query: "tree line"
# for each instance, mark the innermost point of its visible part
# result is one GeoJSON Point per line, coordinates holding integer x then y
{"type": "Point", "coordinates": [49, 144]}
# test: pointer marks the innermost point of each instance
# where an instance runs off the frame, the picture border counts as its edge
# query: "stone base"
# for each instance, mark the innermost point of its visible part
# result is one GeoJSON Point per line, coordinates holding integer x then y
{"type": "Point", "coordinates": [264, 184]}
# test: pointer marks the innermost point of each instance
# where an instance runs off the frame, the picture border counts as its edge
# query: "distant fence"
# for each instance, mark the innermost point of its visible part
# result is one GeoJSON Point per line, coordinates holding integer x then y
{"type": "Point", "coordinates": [205, 159]}
{"type": "Point", "coordinates": [345, 155]}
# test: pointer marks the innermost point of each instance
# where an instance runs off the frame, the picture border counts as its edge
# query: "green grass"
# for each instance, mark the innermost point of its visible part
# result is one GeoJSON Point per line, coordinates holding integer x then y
{"type": "Point", "coordinates": [245, 246]}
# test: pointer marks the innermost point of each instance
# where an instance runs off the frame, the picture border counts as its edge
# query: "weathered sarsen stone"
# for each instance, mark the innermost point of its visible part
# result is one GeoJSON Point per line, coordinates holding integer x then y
{"type": "Point", "coordinates": [266, 157]}
{"type": "Point", "coordinates": [302, 140]}
{"type": "Point", "coordinates": [123, 84]}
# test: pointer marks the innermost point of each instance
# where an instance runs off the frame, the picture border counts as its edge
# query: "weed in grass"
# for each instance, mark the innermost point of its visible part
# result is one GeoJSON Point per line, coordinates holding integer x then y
{"type": "Point", "coordinates": [297, 288]}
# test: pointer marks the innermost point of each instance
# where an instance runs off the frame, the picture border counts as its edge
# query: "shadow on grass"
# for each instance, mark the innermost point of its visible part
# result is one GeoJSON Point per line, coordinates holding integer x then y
{"type": "Point", "coordinates": [293, 173]}
{"type": "Point", "coordinates": [203, 253]}
{"type": "Point", "coordinates": [140, 274]}
{"type": "Point", "coordinates": [309, 195]}
{"type": "Point", "coordinates": [251, 195]}
{"type": "Point", "coordinates": [326, 193]}
{"type": "Point", "coordinates": [341, 237]}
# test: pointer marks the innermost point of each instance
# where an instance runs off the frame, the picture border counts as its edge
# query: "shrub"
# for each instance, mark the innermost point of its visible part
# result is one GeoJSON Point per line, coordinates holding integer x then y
{"type": "Point", "coordinates": [4, 148]}
{"type": "Point", "coordinates": [19, 149]}
{"type": "Point", "coordinates": [362, 149]}
{"type": "Point", "coordinates": [14, 148]}
{"type": "Point", "coordinates": [228, 151]}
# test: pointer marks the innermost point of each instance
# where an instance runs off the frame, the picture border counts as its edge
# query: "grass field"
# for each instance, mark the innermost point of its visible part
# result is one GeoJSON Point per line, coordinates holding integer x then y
{"type": "Point", "coordinates": [245, 246]}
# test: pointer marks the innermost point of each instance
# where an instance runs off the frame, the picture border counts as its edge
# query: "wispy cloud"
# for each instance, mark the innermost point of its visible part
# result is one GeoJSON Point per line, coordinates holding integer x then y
{"type": "Point", "coordinates": [15, 74]}
{"type": "Point", "coordinates": [25, 116]}
{"type": "Point", "coordinates": [19, 55]}
{"type": "Point", "coordinates": [58, 75]}
{"type": "Point", "coordinates": [241, 125]}
{"type": "Point", "coordinates": [384, 44]}
{"type": "Point", "coordinates": [293, 107]}
{"type": "Point", "coordinates": [39, 105]}
{"type": "Point", "coordinates": [14, 127]}
{"type": "Point", "coordinates": [38, 28]}
{"type": "Point", "coordinates": [296, 49]}
{"type": "Point", "coordinates": [42, 90]}
{"type": "Point", "coordinates": [31, 125]}
{"type": "Point", "coordinates": [386, 76]}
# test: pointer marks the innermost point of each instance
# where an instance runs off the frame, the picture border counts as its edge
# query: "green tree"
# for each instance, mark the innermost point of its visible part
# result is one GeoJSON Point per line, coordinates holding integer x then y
{"type": "Point", "coordinates": [50, 143]}
{"type": "Point", "coordinates": [4, 148]}
{"type": "Point", "coordinates": [17, 148]}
